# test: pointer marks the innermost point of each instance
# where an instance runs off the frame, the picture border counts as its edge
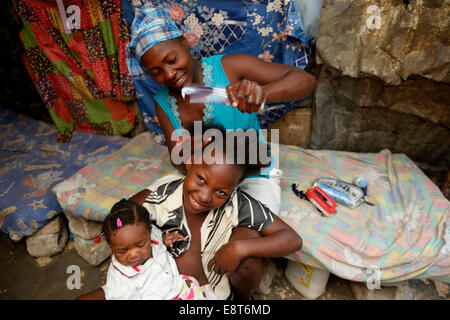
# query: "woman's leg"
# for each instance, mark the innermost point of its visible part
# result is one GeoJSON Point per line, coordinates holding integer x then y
{"type": "Point", "coordinates": [248, 275]}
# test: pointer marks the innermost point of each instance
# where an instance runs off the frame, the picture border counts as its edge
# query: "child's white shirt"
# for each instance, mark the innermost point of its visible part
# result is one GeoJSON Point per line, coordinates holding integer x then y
{"type": "Point", "coordinates": [158, 278]}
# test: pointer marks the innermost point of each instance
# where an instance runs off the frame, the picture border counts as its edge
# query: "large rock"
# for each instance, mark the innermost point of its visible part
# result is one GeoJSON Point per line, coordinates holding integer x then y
{"type": "Point", "coordinates": [49, 240]}
{"type": "Point", "coordinates": [392, 44]}
{"type": "Point", "coordinates": [93, 253]}
{"type": "Point", "coordinates": [83, 228]}
{"type": "Point", "coordinates": [405, 290]}
{"type": "Point", "coordinates": [365, 115]}
{"type": "Point", "coordinates": [294, 128]}
{"type": "Point", "coordinates": [442, 288]}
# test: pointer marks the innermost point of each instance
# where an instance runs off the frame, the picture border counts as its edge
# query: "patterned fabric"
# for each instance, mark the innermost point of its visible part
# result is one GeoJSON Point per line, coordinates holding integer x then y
{"type": "Point", "coordinates": [17, 91]}
{"type": "Point", "coordinates": [92, 191]}
{"type": "Point", "coordinates": [405, 236]}
{"type": "Point", "coordinates": [32, 162]}
{"type": "Point", "coordinates": [270, 30]}
{"type": "Point", "coordinates": [166, 207]}
{"type": "Point", "coordinates": [81, 76]}
{"type": "Point", "coordinates": [150, 26]}
{"type": "Point", "coordinates": [192, 290]}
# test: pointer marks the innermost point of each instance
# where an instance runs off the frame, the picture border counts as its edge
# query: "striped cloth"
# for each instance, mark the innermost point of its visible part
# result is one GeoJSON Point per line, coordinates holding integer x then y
{"type": "Point", "coordinates": [166, 208]}
{"type": "Point", "coordinates": [151, 25]}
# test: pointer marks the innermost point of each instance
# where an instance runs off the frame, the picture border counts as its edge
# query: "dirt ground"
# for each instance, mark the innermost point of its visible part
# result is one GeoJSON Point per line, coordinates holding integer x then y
{"type": "Point", "coordinates": [26, 277]}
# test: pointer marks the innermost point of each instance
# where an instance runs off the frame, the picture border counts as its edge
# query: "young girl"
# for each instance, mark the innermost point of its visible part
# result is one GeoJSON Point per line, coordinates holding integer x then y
{"type": "Point", "coordinates": [223, 232]}
{"type": "Point", "coordinates": [141, 268]}
{"type": "Point", "coordinates": [157, 48]}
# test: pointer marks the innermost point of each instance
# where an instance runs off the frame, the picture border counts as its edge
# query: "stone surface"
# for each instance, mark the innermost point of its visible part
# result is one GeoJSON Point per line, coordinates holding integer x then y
{"type": "Point", "coordinates": [23, 277]}
{"type": "Point", "coordinates": [445, 186]}
{"type": "Point", "coordinates": [281, 288]}
{"type": "Point", "coordinates": [49, 240]}
{"type": "Point", "coordinates": [405, 290]}
{"type": "Point", "coordinates": [391, 41]}
{"type": "Point", "coordinates": [442, 288]}
{"type": "Point", "coordinates": [294, 127]}
{"type": "Point", "coordinates": [93, 253]}
{"type": "Point", "coordinates": [83, 228]}
{"type": "Point", "coordinates": [365, 115]}
{"type": "Point", "coordinates": [269, 272]}
{"type": "Point", "coordinates": [361, 292]}
{"type": "Point", "coordinates": [54, 225]}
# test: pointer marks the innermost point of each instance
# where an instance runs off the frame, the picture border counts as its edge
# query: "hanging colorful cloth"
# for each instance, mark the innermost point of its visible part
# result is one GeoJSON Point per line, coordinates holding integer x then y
{"type": "Point", "coordinates": [82, 76]}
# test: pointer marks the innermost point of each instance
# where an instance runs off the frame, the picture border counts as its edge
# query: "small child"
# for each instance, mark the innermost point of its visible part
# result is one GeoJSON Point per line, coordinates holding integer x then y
{"type": "Point", "coordinates": [141, 267]}
{"type": "Point", "coordinates": [222, 231]}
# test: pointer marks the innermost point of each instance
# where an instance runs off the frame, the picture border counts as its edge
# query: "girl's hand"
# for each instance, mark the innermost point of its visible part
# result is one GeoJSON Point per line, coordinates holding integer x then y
{"type": "Point", "coordinates": [170, 237]}
{"type": "Point", "coordinates": [226, 259]}
{"type": "Point", "coordinates": [246, 95]}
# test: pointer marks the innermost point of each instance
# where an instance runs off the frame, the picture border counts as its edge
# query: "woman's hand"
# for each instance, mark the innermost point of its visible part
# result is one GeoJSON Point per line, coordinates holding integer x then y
{"type": "Point", "coordinates": [246, 95]}
{"type": "Point", "coordinates": [226, 259]}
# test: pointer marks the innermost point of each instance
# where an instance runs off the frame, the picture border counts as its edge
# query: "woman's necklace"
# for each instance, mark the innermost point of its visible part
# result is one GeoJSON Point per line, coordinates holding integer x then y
{"type": "Point", "coordinates": [209, 106]}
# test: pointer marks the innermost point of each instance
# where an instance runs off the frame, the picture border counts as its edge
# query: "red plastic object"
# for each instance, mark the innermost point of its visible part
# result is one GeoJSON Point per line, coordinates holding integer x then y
{"type": "Point", "coordinates": [96, 239]}
{"type": "Point", "coordinates": [321, 200]}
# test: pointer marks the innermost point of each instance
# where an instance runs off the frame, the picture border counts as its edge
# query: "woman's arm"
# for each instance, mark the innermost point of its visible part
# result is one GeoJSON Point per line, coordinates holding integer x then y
{"type": "Point", "coordinates": [255, 80]}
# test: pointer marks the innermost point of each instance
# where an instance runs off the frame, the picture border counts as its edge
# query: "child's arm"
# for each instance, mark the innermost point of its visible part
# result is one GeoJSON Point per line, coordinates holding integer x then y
{"type": "Point", "coordinates": [97, 294]}
{"type": "Point", "coordinates": [277, 240]}
{"type": "Point", "coordinates": [170, 237]}
{"type": "Point", "coordinates": [140, 196]}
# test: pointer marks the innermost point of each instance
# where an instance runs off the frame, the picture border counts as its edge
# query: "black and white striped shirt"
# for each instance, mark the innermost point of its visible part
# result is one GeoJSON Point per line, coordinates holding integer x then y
{"type": "Point", "coordinates": [166, 207]}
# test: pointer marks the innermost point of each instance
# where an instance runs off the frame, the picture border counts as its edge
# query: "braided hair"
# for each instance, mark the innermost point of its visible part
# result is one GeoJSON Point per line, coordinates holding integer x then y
{"type": "Point", "coordinates": [129, 212]}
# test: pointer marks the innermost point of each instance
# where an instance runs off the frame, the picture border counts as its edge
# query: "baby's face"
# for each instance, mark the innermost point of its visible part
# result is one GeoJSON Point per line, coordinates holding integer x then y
{"type": "Point", "coordinates": [131, 244]}
{"type": "Point", "coordinates": [208, 186]}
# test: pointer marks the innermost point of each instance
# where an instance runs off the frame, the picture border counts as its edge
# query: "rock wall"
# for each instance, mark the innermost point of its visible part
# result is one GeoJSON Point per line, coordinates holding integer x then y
{"type": "Point", "coordinates": [384, 79]}
{"type": "Point", "coordinates": [391, 40]}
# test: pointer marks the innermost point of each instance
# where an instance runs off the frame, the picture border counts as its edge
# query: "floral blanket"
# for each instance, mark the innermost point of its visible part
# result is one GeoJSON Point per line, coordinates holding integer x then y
{"type": "Point", "coordinates": [269, 29]}
{"type": "Point", "coordinates": [32, 162]}
{"type": "Point", "coordinates": [405, 235]}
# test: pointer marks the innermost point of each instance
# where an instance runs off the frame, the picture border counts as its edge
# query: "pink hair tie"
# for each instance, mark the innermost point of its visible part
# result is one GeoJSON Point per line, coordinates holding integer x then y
{"type": "Point", "coordinates": [119, 223]}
